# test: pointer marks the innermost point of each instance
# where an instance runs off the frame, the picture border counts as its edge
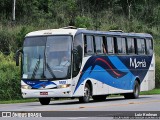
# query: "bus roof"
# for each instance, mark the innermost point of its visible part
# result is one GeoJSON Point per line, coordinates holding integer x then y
{"type": "Point", "coordinates": [108, 33]}
{"type": "Point", "coordinates": [73, 31]}
{"type": "Point", "coordinates": [60, 31]}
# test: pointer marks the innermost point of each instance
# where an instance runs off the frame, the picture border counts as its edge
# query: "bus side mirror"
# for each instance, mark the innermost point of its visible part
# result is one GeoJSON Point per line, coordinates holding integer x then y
{"type": "Point", "coordinates": [17, 56]}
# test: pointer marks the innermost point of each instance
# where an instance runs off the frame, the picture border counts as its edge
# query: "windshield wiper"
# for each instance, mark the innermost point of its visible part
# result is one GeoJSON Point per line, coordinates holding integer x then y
{"type": "Point", "coordinates": [44, 65]}
{"type": "Point", "coordinates": [50, 70]}
{"type": "Point", "coordinates": [36, 68]}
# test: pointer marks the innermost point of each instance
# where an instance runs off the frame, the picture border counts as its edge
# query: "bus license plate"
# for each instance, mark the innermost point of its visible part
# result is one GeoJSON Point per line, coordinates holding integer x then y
{"type": "Point", "coordinates": [43, 93]}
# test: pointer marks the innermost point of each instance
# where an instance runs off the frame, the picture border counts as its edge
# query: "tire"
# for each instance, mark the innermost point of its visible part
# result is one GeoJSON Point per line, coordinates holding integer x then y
{"type": "Point", "coordinates": [87, 94]}
{"type": "Point", "coordinates": [135, 93]}
{"type": "Point", "coordinates": [44, 101]}
{"type": "Point", "coordinates": [99, 97]}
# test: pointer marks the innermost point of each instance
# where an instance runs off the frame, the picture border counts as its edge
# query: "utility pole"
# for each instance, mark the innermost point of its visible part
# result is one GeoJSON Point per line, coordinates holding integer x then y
{"type": "Point", "coordinates": [13, 10]}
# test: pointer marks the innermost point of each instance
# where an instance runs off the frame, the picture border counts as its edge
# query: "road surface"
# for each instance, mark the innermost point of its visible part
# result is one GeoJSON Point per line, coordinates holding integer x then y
{"type": "Point", "coordinates": [72, 108]}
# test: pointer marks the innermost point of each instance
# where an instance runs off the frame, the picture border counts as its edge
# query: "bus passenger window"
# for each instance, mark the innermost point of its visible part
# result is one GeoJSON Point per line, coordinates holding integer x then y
{"type": "Point", "coordinates": [110, 45]}
{"type": "Point", "coordinates": [88, 44]}
{"type": "Point", "coordinates": [104, 48]}
{"type": "Point", "coordinates": [149, 46]}
{"type": "Point", "coordinates": [130, 45]}
{"type": "Point", "coordinates": [121, 44]}
{"type": "Point", "coordinates": [78, 46]}
{"type": "Point", "coordinates": [141, 46]}
{"type": "Point", "coordinates": [99, 45]}
{"type": "Point", "coordinates": [77, 56]}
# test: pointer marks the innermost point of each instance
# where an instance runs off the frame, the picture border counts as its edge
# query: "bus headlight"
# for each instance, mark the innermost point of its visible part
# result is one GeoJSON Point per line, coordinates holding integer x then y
{"type": "Point", "coordinates": [25, 87]}
{"type": "Point", "coordinates": [64, 86]}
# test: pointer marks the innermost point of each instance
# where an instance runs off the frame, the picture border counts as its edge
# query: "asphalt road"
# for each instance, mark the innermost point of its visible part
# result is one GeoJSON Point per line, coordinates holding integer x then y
{"type": "Point", "coordinates": [73, 109]}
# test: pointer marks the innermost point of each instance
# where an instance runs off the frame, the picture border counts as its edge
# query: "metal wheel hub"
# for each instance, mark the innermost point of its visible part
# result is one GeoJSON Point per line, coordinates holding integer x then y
{"type": "Point", "coordinates": [86, 92]}
{"type": "Point", "coordinates": [136, 90]}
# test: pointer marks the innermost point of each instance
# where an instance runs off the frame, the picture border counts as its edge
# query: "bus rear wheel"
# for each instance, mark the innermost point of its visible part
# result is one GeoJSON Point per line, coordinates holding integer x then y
{"type": "Point", "coordinates": [87, 94]}
{"type": "Point", "coordinates": [135, 93]}
{"type": "Point", "coordinates": [44, 101]}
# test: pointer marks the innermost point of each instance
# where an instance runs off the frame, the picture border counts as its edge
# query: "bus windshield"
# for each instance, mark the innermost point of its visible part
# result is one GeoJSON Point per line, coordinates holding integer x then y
{"type": "Point", "coordinates": [46, 57]}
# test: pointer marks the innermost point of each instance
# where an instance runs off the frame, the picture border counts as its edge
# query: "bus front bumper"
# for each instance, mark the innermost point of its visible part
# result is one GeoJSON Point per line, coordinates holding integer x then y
{"type": "Point", "coordinates": [51, 93]}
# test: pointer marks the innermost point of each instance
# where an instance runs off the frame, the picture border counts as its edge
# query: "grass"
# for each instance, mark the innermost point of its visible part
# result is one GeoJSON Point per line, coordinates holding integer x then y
{"type": "Point", "coordinates": [25, 100]}
{"type": "Point", "coordinates": [151, 92]}
{"type": "Point", "coordinates": [18, 101]}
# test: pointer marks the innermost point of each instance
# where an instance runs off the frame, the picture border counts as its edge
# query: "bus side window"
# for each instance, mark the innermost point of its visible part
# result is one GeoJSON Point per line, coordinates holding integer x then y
{"type": "Point", "coordinates": [149, 46]}
{"type": "Point", "coordinates": [121, 44]}
{"type": "Point", "coordinates": [130, 46]}
{"type": "Point", "coordinates": [110, 45]}
{"type": "Point", "coordinates": [141, 46]}
{"type": "Point", "coordinates": [77, 56]}
{"type": "Point", "coordinates": [88, 45]}
{"type": "Point", "coordinates": [99, 44]}
{"type": "Point", "coordinates": [78, 46]}
{"type": "Point", "coordinates": [104, 45]}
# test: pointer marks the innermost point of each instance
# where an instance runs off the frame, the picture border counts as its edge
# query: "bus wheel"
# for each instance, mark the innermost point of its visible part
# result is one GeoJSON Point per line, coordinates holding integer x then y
{"type": "Point", "coordinates": [44, 101]}
{"type": "Point", "coordinates": [135, 93]}
{"type": "Point", "coordinates": [99, 98]}
{"type": "Point", "coordinates": [87, 94]}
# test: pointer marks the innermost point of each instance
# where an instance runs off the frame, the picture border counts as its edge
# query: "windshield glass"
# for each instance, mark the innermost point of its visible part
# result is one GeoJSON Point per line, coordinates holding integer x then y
{"type": "Point", "coordinates": [46, 57]}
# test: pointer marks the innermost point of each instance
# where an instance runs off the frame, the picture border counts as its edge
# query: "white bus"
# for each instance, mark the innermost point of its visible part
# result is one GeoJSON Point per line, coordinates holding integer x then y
{"type": "Point", "coordinates": [79, 63]}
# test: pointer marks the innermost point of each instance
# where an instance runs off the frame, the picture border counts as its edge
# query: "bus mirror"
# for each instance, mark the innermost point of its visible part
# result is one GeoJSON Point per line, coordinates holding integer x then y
{"type": "Point", "coordinates": [17, 56]}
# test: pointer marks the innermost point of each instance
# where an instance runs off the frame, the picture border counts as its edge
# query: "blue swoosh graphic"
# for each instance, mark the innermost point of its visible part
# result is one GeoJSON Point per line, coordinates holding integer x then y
{"type": "Point", "coordinates": [38, 84]}
{"type": "Point", "coordinates": [108, 73]}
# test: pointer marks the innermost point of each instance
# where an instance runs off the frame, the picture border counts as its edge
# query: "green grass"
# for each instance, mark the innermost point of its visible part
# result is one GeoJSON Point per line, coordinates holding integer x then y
{"type": "Point", "coordinates": [18, 101]}
{"type": "Point", "coordinates": [151, 92]}
{"type": "Point", "coordinates": [25, 100]}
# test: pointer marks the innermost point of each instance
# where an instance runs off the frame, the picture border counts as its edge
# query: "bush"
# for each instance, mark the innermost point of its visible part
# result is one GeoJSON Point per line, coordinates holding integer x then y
{"type": "Point", "coordinates": [157, 74]}
{"type": "Point", "coordinates": [9, 78]}
{"type": "Point", "coordinates": [83, 22]}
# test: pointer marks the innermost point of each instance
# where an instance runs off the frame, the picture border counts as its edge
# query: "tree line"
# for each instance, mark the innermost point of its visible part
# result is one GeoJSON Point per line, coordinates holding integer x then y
{"type": "Point", "coordinates": [67, 11]}
{"type": "Point", "coordinates": [128, 15]}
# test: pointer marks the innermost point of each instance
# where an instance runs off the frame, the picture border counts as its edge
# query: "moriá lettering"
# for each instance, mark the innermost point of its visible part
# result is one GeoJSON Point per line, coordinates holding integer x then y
{"type": "Point", "coordinates": [134, 63]}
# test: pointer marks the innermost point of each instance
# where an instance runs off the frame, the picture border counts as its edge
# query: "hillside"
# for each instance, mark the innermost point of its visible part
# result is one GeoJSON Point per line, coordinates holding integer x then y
{"type": "Point", "coordinates": [127, 15]}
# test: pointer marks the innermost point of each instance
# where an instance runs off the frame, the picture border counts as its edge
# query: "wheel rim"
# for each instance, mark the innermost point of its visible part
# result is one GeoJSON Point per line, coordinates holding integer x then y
{"type": "Point", "coordinates": [136, 90]}
{"type": "Point", "coordinates": [87, 93]}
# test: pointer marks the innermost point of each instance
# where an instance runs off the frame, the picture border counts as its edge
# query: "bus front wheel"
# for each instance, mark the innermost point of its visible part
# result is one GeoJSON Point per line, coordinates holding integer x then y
{"type": "Point", "coordinates": [87, 94]}
{"type": "Point", "coordinates": [135, 93]}
{"type": "Point", "coordinates": [44, 101]}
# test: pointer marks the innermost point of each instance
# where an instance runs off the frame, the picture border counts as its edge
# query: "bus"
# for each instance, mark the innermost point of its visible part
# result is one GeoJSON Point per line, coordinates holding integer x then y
{"type": "Point", "coordinates": [79, 63]}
